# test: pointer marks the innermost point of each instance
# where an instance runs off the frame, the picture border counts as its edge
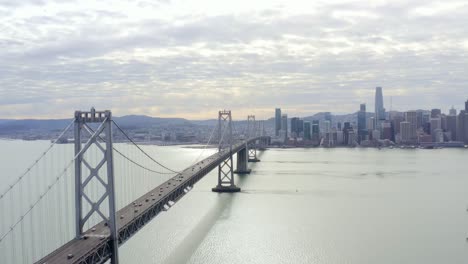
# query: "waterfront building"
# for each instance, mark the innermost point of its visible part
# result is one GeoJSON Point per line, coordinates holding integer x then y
{"type": "Point", "coordinates": [300, 127]}
{"type": "Point", "coordinates": [425, 139]}
{"type": "Point", "coordinates": [284, 125]}
{"type": "Point", "coordinates": [396, 120]}
{"type": "Point", "coordinates": [339, 137]}
{"type": "Point", "coordinates": [307, 131]}
{"type": "Point", "coordinates": [361, 121]}
{"type": "Point", "coordinates": [370, 124]}
{"type": "Point", "coordinates": [277, 121]}
{"type": "Point", "coordinates": [427, 128]}
{"type": "Point", "coordinates": [375, 134]}
{"type": "Point", "coordinates": [426, 118]}
{"type": "Point", "coordinates": [412, 118]}
{"type": "Point", "coordinates": [438, 135]}
{"type": "Point", "coordinates": [452, 127]}
{"type": "Point", "coordinates": [326, 126]}
{"type": "Point", "coordinates": [346, 130]}
{"type": "Point", "coordinates": [435, 124]}
{"type": "Point", "coordinates": [443, 122]}
{"type": "Point", "coordinates": [328, 117]}
{"type": "Point", "coordinates": [315, 130]}
{"type": "Point", "coordinates": [462, 126]}
{"type": "Point", "coordinates": [387, 131]}
{"type": "Point", "coordinates": [419, 114]}
{"type": "Point", "coordinates": [294, 127]}
{"type": "Point", "coordinates": [351, 138]}
{"type": "Point", "coordinates": [406, 132]}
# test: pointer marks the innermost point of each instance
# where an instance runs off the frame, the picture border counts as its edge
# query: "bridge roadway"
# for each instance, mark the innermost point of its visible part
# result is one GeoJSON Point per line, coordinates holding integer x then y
{"type": "Point", "coordinates": [95, 246]}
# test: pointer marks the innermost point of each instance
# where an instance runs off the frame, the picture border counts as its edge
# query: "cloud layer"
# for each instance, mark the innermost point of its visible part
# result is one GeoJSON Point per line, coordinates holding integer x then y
{"type": "Point", "coordinates": [191, 58]}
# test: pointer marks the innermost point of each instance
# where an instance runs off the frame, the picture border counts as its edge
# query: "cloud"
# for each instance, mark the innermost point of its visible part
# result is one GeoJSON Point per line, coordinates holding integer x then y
{"type": "Point", "coordinates": [172, 58]}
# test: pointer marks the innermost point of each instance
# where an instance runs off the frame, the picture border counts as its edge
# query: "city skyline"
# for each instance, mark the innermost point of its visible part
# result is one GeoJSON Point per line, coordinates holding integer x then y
{"type": "Point", "coordinates": [425, 128]}
{"type": "Point", "coordinates": [190, 59]}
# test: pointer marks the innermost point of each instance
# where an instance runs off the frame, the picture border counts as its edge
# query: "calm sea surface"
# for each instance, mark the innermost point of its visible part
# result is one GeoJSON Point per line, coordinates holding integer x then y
{"type": "Point", "coordinates": [326, 206]}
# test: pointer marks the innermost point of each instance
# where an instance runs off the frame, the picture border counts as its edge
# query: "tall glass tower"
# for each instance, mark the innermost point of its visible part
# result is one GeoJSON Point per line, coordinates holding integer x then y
{"type": "Point", "coordinates": [362, 126]}
{"type": "Point", "coordinates": [277, 121]}
{"type": "Point", "coordinates": [379, 108]}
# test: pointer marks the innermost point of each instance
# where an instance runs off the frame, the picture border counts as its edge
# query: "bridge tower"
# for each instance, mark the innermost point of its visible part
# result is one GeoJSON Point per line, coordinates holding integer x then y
{"type": "Point", "coordinates": [225, 172]}
{"type": "Point", "coordinates": [85, 206]}
{"type": "Point", "coordinates": [252, 132]}
{"type": "Point", "coordinates": [263, 141]}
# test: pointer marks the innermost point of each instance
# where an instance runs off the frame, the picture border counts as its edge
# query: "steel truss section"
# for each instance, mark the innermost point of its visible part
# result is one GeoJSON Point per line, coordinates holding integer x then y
{"type": "Point", "coordinates": [225, 168]}
{"type": "Point", "coordinates": [103, 133]}
{"type": "Point", "coordinates": [251, 133]}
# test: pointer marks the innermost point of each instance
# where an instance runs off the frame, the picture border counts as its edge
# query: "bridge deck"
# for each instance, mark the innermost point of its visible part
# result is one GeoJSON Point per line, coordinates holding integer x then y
{"type": "Point", "coordinates": [94, 245]}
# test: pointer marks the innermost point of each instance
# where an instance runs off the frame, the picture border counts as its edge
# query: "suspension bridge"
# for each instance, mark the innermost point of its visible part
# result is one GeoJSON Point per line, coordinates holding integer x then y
{"type": "Point", "coordinates": [64, 208]}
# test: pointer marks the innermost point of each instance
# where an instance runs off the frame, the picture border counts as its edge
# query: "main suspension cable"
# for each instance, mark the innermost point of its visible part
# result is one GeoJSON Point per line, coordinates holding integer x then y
{"type": "Point", "coordinates": [204, 148]}
{"type": "Point", "coordinates": [91, 131]}
{"type": "Point", "coordinates": [146, 154]}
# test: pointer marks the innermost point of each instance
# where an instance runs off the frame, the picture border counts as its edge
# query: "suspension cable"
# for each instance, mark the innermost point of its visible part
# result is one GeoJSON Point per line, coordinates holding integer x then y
{"type": "Point", "coordinates": [204, 148]}
{"type": "Point", "coordinates": [138, 164]}
{"type": "Point", "coordinates": [146, 154]}
{"type": "Point", "coordinates": [222, 136]}
{"type": "Point", "coordinates": [91, 131]}
{"type": "Point", "coordinates": [41, 196]}
{"type": "Point", "coordinates": [18, 179]}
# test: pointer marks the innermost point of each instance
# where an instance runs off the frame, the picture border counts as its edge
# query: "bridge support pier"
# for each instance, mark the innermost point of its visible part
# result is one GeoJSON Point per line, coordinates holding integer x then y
{"type": "Point", "coordinates": [225, 172]}
{"type": "Point", "coordinates": [253, 153]}
{"type": "Point", "coordinates": [242, 162]}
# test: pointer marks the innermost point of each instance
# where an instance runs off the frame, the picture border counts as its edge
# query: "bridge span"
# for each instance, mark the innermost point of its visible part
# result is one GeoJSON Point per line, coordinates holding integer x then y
{"type": "Point", "coordinates": [98, 245]}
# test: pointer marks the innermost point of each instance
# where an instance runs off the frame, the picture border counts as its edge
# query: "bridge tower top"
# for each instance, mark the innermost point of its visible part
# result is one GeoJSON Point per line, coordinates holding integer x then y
{"type": "Point", "coordinates": [224, 129]}
{"type": "Point", "coordinates": [251, 123]}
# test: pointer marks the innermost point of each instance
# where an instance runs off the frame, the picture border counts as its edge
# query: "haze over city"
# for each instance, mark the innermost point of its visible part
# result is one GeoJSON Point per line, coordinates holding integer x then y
{"type": "Point", "coordinates": [191, 58]}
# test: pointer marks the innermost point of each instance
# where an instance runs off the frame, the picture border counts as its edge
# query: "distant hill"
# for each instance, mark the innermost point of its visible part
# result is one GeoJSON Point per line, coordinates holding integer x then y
{"type": "Point", "coordinates": [139, 121]}
{"type": "Point", "coordinates": [9, 126]}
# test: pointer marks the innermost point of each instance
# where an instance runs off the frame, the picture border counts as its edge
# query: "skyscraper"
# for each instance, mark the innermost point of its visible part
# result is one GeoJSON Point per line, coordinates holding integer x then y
{"type": "Point", "coordinates": [379, 107]}
{"type": "Point", "coordinates": [412, 118]}
{"type": "Point", "coordinates": [453, 111]}
{"type": "Point", "coordinates": [420, 119]}
{"type": "Point", "coordinates": [315, 130]}
{"type": "Point", "coordinates": [405, 128]}
{"type": "Point", "coordinates": [362, 127]}
{"type": "Point", "coordinates": [452, 126]}
{"type": "Point", "coordinates": [277, 121]}
{"type": "Point", "coordinates": [435, 113]}
{"type": "Point", "coordinates": [284, 125]}
{"type": "Point", "coordinates": [346, 130]}
{"type": "Point", "coordinates": [294, 126]}
{"type": "Point", "coordinates": [466, 106]}
{"type": "Point", "coordinates": [435, 126]}
{"type": "Point", "coordinates": [328, 117]}
{"type": "Point", "coordinates": [387, 131]}
{"type": "Point", "coordinates": [462, 126]}
{"type": "Point", "coordinates": [300, 127]}
{"type": "Point", "coordinates": [307, 130]}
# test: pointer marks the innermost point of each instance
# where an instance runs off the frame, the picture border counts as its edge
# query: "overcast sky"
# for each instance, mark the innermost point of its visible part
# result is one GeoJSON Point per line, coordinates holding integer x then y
{"type": "Point", "coordinates": [191, 58]}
